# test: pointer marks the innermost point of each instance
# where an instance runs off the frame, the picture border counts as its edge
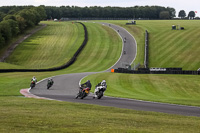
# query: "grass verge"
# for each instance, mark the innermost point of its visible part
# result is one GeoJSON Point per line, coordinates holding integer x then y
{"type": "Point", "coordinates": [177, 89]}
{"type": "Point", "coordinates": [31, 115]}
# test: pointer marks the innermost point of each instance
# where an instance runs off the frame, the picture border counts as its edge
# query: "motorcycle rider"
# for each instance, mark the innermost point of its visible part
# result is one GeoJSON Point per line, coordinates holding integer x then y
{"type": "Point", "coordinates": [84, 85]}
{"type": "Point", "coordinates": [87, 84]}
{"type": "Point", "coordinates": [50, 82]}
{"type": "Point", "coordinates": [34, 79]}
{"type": "Point", "coordinates": [33, 82]}
{"type": "Point", "coordinates": [102, 83]}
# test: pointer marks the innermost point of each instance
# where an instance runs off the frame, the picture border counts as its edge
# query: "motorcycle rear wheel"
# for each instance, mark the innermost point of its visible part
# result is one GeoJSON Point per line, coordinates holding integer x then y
{"type": "Point", "coordinates": [83, 95]}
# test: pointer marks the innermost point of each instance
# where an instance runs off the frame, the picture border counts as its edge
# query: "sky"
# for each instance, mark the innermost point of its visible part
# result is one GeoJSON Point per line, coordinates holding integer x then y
{"type": "Point", "coordinates": [187, 5]}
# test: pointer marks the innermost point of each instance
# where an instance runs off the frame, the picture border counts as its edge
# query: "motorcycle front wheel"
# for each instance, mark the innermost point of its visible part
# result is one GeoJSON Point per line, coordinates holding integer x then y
{"type": "Point", "coordinates": [100, 94]}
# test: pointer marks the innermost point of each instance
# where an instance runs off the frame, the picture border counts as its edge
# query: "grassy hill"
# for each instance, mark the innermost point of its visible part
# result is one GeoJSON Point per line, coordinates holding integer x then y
{"type": "Point", "coordinates": [19, 114]}
{"type": "Point", "coordinates": [167, 47]}
{"type": "Point", "coordinates": [50, 47]}
{"type": "Point", "coordinates": [174, 48]}
{"type": "Point", "coordinates": [179, 89]}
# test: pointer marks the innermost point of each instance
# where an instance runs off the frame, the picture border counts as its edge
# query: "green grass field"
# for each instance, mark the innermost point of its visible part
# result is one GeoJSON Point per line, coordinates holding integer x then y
{"type": "Point", "coordinates": [50, 47]}
{"type": "Point", "coordinates": [102, 51]}
{"type": "Point", "coordinates": [19, 114]}
{"type": "Point", "coordinates": [28, 31]}
{"type": "Point", "coordinates": [32, 115]}
{"type": "Point", "coordinates": [176, 89]}
{"type": "Point", "coordinates": [167, 47]}
{"type": "Point", "coordinates": [174, 48]}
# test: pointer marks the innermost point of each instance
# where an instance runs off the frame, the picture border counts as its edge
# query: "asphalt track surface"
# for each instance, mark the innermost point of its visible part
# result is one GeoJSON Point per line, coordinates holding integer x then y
{"type": "Point", "coordinates": [66, 86]}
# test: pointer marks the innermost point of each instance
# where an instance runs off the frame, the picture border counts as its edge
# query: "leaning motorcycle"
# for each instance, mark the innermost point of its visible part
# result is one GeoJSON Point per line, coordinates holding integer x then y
{"type": "Point", "coordinates": [49, 84]}
{"type": "Point", "coordinates": [32, 85]}
{"type": "Point", "coordinates": [99, 90]}
{"type": "Point", "coordinates": [83, 92]}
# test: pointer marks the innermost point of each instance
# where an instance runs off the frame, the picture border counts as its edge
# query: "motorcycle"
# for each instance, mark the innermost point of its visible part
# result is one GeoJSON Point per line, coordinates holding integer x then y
{"type": "Point", "coordinates": [49, 84]}
{"type": "Point", "coordinates": [99, 90]}
{"type": "Point", "coordinates": [83, 92]}
{"type": "Point", "coordinates": [32, 85]}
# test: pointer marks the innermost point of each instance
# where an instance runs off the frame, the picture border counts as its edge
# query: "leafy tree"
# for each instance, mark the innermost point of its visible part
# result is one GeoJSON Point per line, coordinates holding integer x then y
{"type": "Point", "coordinates": [41, 11]}
{"type": "Point", "coordinates": [164, 15]}
{"type": "Point", "coordinates": [2, 15]}
{"type": "Point", "coordinates": [172, 12]}
{"type": "Point", "coordinates": [28, 16]}
{"type": "Point", "coordinates": [2, 40]}
{"type": "Point", "coordinates": [36, 16]}
{"type": "Point", "coordinates": [5, 30]}
{"type": "Point", "coordinates": [21, 23]}
{"type": "Point", "coordinates": [14, 26]}
{"type": "Point", "coordinates": [191, 15]}
{"type": "Point", "coordinates": [15, 19]}
{"type": "Point", "coordinates": [10, 17]}
{"type": "Point", "coordinates": [182, 14]}
{"type": "Point", "coordinates": [11, 12]}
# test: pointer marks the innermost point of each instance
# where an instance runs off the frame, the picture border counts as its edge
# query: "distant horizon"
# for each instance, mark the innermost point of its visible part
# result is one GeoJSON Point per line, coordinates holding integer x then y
{"type": "Point", "coordinates": [187, 6]}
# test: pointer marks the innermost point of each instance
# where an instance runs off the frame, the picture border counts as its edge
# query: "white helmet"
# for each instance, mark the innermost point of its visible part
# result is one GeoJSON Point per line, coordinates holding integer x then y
{"type": "Point", "coordinates": [103, 82]}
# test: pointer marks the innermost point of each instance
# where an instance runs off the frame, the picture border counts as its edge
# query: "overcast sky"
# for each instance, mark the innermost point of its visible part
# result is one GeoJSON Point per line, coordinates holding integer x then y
{"type": "Point", "coordinates": [187, 5]}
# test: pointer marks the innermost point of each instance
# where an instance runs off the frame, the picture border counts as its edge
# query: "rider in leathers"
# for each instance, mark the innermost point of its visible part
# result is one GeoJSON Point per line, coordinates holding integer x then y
{"type": "Point", "coordinates": [34, 79]}
{"type": "Point", "coordinates": [87, 84]}
{"type": "Point", "coordinates": [103, 83]}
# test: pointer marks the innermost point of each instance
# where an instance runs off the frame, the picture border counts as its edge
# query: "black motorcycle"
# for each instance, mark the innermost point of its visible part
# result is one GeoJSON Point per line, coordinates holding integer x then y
{"type": "Point", "coordinates": [32, 85]}
{"type": "Point", "coordinates": [49, 84]}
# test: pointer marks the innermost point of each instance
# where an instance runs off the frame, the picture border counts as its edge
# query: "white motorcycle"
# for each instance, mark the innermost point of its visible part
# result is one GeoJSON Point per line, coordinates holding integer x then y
{"type": "Point", "coordinates": [99, 91]}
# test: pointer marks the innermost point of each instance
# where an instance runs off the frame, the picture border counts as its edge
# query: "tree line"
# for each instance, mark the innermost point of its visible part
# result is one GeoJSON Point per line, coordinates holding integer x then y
{"type": "Point", "coordinates": [15, 20]}
{"type": "Point", "coordinates": [147, 12]}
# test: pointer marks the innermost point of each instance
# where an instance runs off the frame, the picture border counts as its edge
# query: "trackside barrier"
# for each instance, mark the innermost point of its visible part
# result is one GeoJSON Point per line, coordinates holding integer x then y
{"type": "Point", "coordinates": [147, 71]}
{"type": "Point", "coordinates": [70, 62]}
{"type": "Point", "coordinates": [146, 52]}
{"type": "Point", "coordinates": [112, 70]}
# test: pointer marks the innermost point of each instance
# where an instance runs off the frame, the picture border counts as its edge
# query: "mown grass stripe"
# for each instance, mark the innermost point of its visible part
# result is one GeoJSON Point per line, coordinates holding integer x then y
{"type": "Point", "coordinates": [44, 45]}
{"type": "Point", "coordinates": [178, 89]}
{"type": "Point", "coordinates": [102, 40]}
{"type": "Point", "coordinates": [173, 53]}
{"type": "Point", "coordinates": [162, 37]}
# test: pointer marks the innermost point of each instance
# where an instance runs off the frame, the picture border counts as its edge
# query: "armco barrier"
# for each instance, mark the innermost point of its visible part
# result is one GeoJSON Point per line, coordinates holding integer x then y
{"type": "Point", "coordinates": [70, 62]}
{"type": "Point", "coordinates": [147, 71]}
{"type": "Point", "coordinates": [146, 52]}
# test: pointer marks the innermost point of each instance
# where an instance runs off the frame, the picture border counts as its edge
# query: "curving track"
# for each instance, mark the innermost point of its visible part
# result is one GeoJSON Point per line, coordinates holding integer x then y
{"type": "Point", "coordinates": [66, 86]}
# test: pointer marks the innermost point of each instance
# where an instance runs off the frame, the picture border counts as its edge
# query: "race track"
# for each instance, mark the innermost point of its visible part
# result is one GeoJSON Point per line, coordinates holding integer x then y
{"type": "Point", "coordinates": [66, 86]}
